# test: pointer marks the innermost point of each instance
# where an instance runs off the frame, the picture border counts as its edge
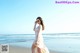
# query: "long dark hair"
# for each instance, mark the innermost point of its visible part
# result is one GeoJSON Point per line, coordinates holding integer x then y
{"type": "Point", "coordinates": [41, 22]}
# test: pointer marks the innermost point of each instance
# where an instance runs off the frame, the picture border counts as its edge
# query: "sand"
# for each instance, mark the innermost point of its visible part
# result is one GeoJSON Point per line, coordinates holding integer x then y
{"type": "Point", "coordinates": [16, 49]}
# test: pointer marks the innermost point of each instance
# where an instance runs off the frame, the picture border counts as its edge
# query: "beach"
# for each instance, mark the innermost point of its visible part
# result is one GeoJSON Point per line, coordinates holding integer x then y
{"type": "Point", "coordinates": [16, 49]}
{"type": "Point", "coordinates": [69, 43]}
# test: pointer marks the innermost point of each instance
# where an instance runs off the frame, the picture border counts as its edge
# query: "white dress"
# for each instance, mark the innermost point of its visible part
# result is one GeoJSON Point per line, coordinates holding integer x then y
{"type": "Point", "coordinates": [39, 40]}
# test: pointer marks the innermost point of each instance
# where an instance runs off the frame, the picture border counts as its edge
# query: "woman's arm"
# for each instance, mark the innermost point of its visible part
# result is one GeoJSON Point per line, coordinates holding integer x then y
{"type": "Point", "coordinates": [34, 27]}
{"type": "Point", "coordinates": [38, 34]}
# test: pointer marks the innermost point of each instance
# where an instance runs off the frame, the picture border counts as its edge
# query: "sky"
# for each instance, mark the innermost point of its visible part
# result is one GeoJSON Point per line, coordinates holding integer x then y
{"type": "Point", "coordinates": [18, 16]}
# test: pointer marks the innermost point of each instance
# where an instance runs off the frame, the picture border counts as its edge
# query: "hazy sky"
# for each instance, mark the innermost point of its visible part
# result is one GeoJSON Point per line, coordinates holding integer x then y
{"type": "Point", "coordinates": [18, 16]}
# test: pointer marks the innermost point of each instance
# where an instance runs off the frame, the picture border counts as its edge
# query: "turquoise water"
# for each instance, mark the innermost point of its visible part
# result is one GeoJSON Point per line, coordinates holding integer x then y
{"type": "Point", "coordinates": [67, 43]}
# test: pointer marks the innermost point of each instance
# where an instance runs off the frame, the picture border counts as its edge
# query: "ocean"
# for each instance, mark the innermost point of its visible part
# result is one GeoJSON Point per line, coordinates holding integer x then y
{"type": "Point", "coordinates": [64, 42]}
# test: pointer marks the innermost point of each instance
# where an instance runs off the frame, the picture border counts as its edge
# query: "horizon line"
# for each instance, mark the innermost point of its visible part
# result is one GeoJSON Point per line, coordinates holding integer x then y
{"type": "Point", "coordinates": [42, 33]}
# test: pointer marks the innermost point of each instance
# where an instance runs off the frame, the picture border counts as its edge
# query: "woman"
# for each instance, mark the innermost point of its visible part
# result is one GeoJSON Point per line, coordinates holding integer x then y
{"type": "Point", "coordinates": [38, 45]}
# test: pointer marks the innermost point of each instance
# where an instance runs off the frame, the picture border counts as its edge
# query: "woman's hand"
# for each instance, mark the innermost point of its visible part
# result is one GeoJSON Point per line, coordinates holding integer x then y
{"type": "Point", "coordinates": [35, 45]}
{"type": "Point", "coordinates": [36, 22]}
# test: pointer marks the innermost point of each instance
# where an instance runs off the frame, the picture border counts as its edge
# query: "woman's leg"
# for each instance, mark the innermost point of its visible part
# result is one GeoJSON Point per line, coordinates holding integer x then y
{"type": "Point", "coordinates": [39, 50]}
{"type": "Point", "coordinates": [33, 48]}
